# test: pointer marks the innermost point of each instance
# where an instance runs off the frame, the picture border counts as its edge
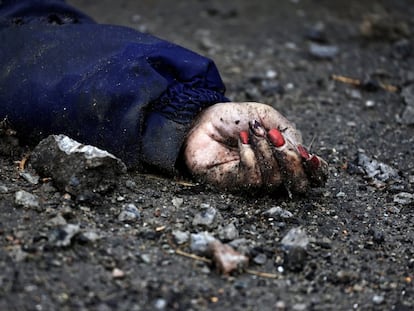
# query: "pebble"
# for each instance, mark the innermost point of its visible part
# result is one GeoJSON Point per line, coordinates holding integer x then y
{"type": "Point", "coordinates": [296, 237]}
{"type": "Point", "coordinates": [16, 253]}
{"type": "Point", "coordinates": [160, 304]}
{"type": "Point", "coordinates": [118, 273]}
{"type": "Point", "coordinates": [375, 169]}
{"type": "Point", "coordinates": [316, 33]}
{"type": "Point", "coordinates": [378, 299]}
{"type": "Point", "coordinates": [26, 199]}
{"type": "Point", "coordinates": [300, 307]}
{"type": "Point", "coordinates": [3, 189]}
{"type": "Point", "coordinates": [58, 220]}
{"type": "Point", "coordinates": [89, 236]}
{"type": "Point", "coordinates": [228, 232]}
{"type": "Point", "coordinates": [322, 51]}
{"type": "Point", "coordinates": [62, 236]}
{"type": "Point", "coordinates": [205, 218]}
{"type": "Point", "coordinates": [130, 184]}
{"type": "Point", "coordinates": [242, 245]}
{"type": "Point", "coordinates": [33, 179]}
{"type": "Point", "coordinates": [402, 49]}
{"type": "Point", "coordinates": [404, 198]}
{"type": "Point", "coordinates": [225, 258]}
{"type": "Point", "coordinates": [199, 242]}
{"type": "Point", "coordinates": [181, 237]}
{"type": "Point", "coordinates": [177, 202]}
{"type": "Point", "coordinates": [260, 259]}
{"type": "Point", "coordinates": [129, 214]}
{"type": "Point", "coordinates": [145, 258]}
{"type": "Point", "coordinates": [407, 115]}
{"type": "Point", "coordinates": [370, 103]}
{"type": "Point", "coordinates": [277, 211]}
{"type": "Point", "coordinates": [354, 93]}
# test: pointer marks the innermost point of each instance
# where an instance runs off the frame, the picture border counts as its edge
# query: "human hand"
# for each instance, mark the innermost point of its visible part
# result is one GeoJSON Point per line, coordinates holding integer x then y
{"type": "Point", "coordinates": [235, 146]}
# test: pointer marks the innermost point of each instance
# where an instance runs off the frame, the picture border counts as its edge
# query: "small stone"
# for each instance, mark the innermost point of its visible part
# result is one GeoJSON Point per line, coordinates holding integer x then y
{"type": "Point", "coordinates": [296, 237]}
{"type": "Point", "coordinates": [26, 199]}
{"type": "Point", "coordinates": [271, 74]}
{"type": "Point", "coordinates": [316, 33]}
{"type": "Point", "coordinates": [376, 170]}
{"type": "Point", "coordinates": [280, 306]}
{"type": "Point", "coordinates": [145, 258]}
{"type": "Point", "coordinates": [404, 198]}
{"type": "Point", "coordinates": [241, 245]}
{"type": "Point", "coordinates": [369, 103]}
{"type": "Point", "coordinates": [378, 299]}
{"type": "Point", "coordinates": [277, 211]}
{"type": "Point", "coordinates": [402, 49]}
{"type": "Point", "coordinates": [341, 194]}
{"type": "Point", "coordinates": [228, 232]}
{"type": "Point", "coordinates": [205, 218]}
{"type": "Point", "coordinates": [322, 51]}
{"type": "Point", "coordinates": [62, 236]}
{"type": "Point", "coordinates": [407, 115]}
{"type": "Point", "coordinates": [33, 179]}
{"type": "Point", "coordinates": [181, 237]}
{"type": "Point", "coordinates": [300, 307]}
{"type": "Point", "coordinates": [199, 242]}
{"type": "Point", "coordinates": [58, 220]}
{"type": "Point", "coordinates": [354, 93]}
{"type": "Point", "coordinates": [118, 273]}
{"type": "Point", "coordinates": [226, 258]}
{"type": "Point", "coordinates": [177, 202]}
{"type": "Point", "coordinates": [130, 184]}
{"type": "Point", "coordinates": [16, 253]}
{"type": "Point", "coordinates": [160, 304]}
{"type": "Point", "coordinates": [89, 236]}
{"type": "Point", "coordinates": [260, 259]}
{"type": "Point", "coordinates": [3, 189]}
{"type": "Point", "coordinates": [129, 214]}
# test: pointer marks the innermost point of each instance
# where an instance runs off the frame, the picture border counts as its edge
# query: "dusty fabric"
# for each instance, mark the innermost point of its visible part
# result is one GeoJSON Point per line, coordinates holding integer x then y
{"type": "Point", "coordinates": [111, 86]}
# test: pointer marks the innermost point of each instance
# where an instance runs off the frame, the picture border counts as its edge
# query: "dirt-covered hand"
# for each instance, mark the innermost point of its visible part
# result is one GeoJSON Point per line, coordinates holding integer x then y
{"type": "Point", "coordinates": [235, 146]}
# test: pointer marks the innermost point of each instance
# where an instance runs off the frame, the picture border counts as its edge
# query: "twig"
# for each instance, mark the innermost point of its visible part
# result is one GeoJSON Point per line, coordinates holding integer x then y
{"type": "Point", "coordinates": [356, 82]}
{"type": "Point", "coordinates": [209, 261]}
{"type": "Point", "coordinates": [262, 274]}
{"type": "Point", "coordinates": [192, 256]}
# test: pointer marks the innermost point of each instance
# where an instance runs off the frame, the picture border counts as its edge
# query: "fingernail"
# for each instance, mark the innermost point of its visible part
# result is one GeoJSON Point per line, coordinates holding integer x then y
{"type": "Point", "coordinates": [244, 137]}
{"type": "Point", "coordinates": [257, 128]}
{"type": "Point", "coordinates": [276, 138]}
{"type": "Point", "coordinates": [314, 160]}
{"type": "Point", "coordinates": [303, 152]}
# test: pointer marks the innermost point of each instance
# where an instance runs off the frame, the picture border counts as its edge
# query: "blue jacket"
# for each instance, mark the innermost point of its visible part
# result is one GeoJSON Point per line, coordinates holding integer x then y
{"type": "Point", "coordinates": [130, 93]}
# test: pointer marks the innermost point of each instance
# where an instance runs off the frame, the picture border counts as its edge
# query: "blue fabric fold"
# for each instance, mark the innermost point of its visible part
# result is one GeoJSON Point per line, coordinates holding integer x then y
{"type": "Point", "coordinates": [130, 93]}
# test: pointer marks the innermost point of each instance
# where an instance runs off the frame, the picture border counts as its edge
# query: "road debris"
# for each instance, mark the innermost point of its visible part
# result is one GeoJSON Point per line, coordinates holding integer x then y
{"type": "Point", "coordinates": [76, 168]}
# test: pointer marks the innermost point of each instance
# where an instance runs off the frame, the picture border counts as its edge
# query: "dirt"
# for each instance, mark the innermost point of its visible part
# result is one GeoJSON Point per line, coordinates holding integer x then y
{"type": "Point", "coordinates": [359, 232]}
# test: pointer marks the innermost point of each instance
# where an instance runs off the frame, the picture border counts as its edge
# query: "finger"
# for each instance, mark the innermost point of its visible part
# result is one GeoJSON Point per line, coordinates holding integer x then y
{"type": "Point", "coordinates": [290, 162]}
{"type": "Point", "coordinates": [315, 167]}
{"type": "Point", "coordinates": [269, 167]}
{"type": "Point", "coordinates": [248, 172]}
{"type": "Point", "coordinates": [237, 174]}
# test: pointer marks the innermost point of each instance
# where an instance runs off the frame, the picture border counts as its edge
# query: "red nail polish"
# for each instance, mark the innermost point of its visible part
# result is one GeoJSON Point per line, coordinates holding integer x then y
{"type": "Point", "coordinates": [244, 137]}
{"type": "Point", "coordinates": [303, 152]}
{"type": "Point", "coordinates": [315, 162]}
{"type": "Point", "coordinates": [276, 138]}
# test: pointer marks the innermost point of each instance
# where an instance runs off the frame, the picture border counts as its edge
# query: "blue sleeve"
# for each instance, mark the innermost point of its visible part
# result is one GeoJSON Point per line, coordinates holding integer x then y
{"type": "Point", "coordinates": [130, 93]}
